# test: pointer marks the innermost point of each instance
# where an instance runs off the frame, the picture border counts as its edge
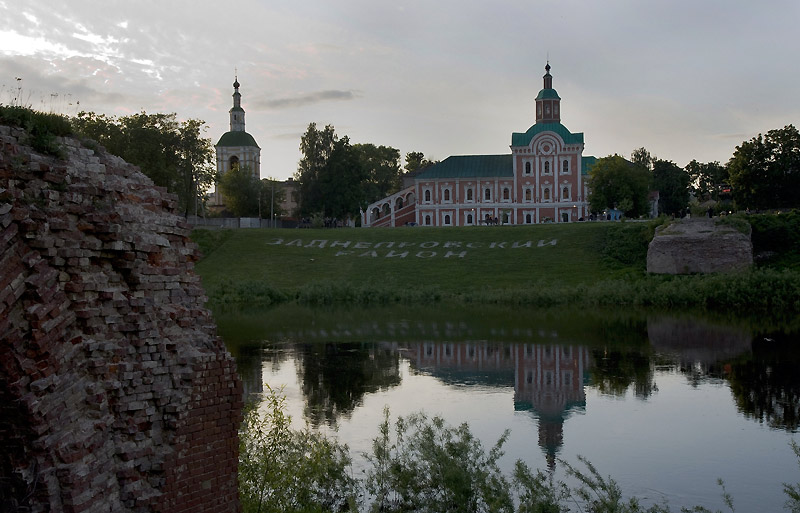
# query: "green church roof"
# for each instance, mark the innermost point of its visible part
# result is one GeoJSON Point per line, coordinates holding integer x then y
{"type": "Point", "coordinates": [237, 138]}
{"type": "Point", "coordinates": [470, 166]}
{"type": "Point", "coordinates": [548, 94]}
{"type": "Point", "coordinates": [518, 139]}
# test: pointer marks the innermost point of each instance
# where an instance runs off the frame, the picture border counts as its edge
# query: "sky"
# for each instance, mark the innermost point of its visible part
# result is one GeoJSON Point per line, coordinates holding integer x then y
{"type": "Point", "coordinates": [686, 79]}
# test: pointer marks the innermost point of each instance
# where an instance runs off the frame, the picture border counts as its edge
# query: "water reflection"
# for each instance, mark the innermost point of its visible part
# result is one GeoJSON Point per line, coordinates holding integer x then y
{"type": "Point", "coordinates": [548, 358]}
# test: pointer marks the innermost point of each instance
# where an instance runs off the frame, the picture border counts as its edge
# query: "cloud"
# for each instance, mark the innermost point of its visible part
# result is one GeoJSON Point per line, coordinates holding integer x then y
{"type": "Point", "coordinates": [307, 99]}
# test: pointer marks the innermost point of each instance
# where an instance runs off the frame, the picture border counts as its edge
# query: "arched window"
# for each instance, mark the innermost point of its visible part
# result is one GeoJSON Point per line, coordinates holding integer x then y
{"type": "Point", "coordinates": [469, 218]}
{"type": "Point", "coordinates": [528, 195]}
{"type": "Point", "coordinates": [469, 194]}
{"type": "Point", "coordinates": [506, 193]}
{"type": "Point", "coordinates": [528, 218]}
{"type": "Point", "coordinates": [527, 168]}
{"type": "Point", "coordinates": [565, 166]}
{"type": "Point", "coordinates": [398, 204]}
{"type": "Point", "coordinates": [447, 194]}
{"type": "Point", "coordinates": [565, 193]}
{"type": "Point", "coordinates": [447, 220]}
{"type": "Point", "coordinates": [427, 194]}
{"type": "Point", "coordinates": [547, 194]}
{"type": "Point", "coordinates": [487, 194]}
{"type": "Point", "coordinates": [547, 168]}
{"type": "Point", "coordinates": [427, 220]}
{"type": "Point", "coordinates": [233, 162]}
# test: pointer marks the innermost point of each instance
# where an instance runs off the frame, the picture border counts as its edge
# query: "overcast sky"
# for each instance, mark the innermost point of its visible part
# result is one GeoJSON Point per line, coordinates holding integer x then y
{"type": "Point", "coordinates": [686, 79]}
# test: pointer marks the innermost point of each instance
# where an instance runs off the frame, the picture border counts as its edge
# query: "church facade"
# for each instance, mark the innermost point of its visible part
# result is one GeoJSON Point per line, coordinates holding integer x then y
{"type": "Point", "coordinates": [236, 148]}
{"type": "Point", "coordinates": [542, 180]}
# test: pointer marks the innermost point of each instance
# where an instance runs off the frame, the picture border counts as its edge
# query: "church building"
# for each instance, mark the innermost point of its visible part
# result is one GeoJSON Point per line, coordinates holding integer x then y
{"type": "Point", "coordinates": [542, 180]}
{"type": "Point", "coordinates": [236, 148]}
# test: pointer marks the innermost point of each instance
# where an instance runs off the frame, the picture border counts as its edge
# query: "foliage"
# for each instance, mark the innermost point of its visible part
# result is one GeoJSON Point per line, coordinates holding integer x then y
{"type": "Point", "coordinates": [416, 161]}
{"type": "Point", "coordinates": [616, 183]}
{"type": "Point", "coordinates": [316, 147]}
{"type": "Point", "coordinates": [282, 469]}
{"type": "Point", "coordinates": [642, 158]}
{"type": "Point", "coordinates": [382, 166]}
{"type": "Point", "coordinates": [539, 492]}
{"type": "Point", "coordinates": [626, 243]}
{"type": "Point", "coordinates": [241, 189]}
{"type": "Point", "coordinates": [173, 154]}
{"type": "Point", "coordinates": [706, 180]}
{"type": "Point", "coordinates": [340, 182]}
{"type": "Point", "coordinates": [418, 464]}
{"type": "Point", "coordinates": [432, 467]}
{"type": "Point", "coordinates": [42, 128]}
{"type": "Point", "coordinates": [793, 490]}
{"type": "Point", "coordinates": [672, 184]}
{"type": "Point", "coordinates": [776, 236]}
{"type": "Point", "coordinates": [765, 171]}
{"type": "Point", "coordinates": [248, 196]}
{"type": "Point", "coordinates": [337, 179]}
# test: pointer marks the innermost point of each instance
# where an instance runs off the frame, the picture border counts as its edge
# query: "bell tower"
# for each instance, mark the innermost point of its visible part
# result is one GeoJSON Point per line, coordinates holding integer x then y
{"type": "Point", "coordinates": [237, 112]}
{"type": "Point", "coordinates": [548, 103]}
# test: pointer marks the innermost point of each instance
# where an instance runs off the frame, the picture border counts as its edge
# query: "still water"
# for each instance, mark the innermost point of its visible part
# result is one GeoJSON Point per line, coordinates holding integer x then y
{"type": "Point", "coordinates": [664, 404]}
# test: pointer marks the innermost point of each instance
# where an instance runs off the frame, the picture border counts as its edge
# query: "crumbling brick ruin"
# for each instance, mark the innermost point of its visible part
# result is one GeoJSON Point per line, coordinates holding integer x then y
{"type": "Point", "coordinates": [115, 393]}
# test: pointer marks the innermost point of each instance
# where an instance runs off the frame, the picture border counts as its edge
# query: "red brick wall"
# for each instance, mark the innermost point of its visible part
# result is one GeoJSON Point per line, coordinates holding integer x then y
{"type": "Point", "coordinates": [115, 392]}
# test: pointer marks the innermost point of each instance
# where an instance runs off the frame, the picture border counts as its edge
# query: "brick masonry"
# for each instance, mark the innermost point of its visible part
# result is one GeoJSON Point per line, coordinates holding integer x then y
{"type": "Point", "coordinates": [116, 394]}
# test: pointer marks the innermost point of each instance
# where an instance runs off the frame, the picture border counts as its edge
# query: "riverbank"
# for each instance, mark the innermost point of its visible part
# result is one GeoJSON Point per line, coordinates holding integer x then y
{"type": "Point", "coordinates": [539, 265]}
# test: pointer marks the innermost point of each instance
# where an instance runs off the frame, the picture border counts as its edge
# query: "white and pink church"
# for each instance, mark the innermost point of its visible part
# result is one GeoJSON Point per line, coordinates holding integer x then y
{"type": "Point", "coordinates": [542, 180]}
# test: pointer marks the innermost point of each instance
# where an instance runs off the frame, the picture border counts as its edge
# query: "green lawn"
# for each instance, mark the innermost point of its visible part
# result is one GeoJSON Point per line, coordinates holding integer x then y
{"type": "Point", "coordinates": [454, 260]}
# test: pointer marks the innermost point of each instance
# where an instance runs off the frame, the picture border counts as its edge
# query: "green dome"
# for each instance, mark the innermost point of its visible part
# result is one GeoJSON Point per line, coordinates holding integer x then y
{"type": "Point", "coordinates": [548, 94]}
{"type": "Point", "coordinates": [237, 139]}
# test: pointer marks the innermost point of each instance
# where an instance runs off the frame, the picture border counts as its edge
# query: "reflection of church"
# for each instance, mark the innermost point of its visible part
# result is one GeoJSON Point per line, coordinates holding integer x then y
{"type": "Point", "coordinates": [548, 379]}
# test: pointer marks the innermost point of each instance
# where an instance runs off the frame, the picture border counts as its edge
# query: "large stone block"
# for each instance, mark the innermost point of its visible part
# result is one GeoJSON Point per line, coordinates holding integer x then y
{"type": "Point", "coordinates": [700, 245]}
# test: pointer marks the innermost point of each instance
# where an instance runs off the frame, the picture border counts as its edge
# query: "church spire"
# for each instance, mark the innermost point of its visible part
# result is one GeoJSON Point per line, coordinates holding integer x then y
{"type": "Point", "coordinates": [237, 112]}
{"type": "Point", "coordinates": [548, 103]}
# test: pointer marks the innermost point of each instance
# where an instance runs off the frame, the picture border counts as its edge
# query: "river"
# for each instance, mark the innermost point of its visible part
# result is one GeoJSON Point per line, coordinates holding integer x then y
{"type": "Point", "coordinates": [665, 404]}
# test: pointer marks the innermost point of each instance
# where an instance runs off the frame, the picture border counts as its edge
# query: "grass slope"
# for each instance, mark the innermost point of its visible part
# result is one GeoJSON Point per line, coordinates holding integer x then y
{"type": "Point", "coordinates": [479, 258]}
{"type": "Point", "coordinates": [581, 264]}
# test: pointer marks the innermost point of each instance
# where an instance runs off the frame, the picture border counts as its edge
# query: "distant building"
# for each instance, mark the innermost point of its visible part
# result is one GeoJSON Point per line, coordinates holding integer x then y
{"type": "Point", "coordinates": [236, 148]}
{"type": "Point", "coordinates": [543, 179]}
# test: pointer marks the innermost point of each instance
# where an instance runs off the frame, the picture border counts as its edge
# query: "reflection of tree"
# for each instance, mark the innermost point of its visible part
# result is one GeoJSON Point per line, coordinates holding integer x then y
{"type": "Point", "coordinates": [765, 386]}
{"type": "Point", "coordinates": [615, 370]}
{"type": "Point", "coordinates": [335, 376]}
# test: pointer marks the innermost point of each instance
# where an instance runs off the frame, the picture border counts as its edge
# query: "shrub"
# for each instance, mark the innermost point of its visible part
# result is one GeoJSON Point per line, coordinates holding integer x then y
{"type": "Point", "coordinates": [42, 128]}
{"type": "Point", "coordinates": [281, 469]}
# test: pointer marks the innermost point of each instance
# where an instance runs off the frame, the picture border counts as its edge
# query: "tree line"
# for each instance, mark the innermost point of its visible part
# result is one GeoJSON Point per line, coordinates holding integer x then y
{"type": "Point", "coordinates": [337, 178]}
{"type": "Point", "coordinates": [763, 173]}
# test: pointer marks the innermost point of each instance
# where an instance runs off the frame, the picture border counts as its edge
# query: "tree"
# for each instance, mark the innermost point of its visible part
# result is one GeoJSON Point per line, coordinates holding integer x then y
{"type": "Point", "coordinates": [616, 183]}
{"type": "Point", "coordinates": [173, 154]}
{"type": "Point", "coordinates": [382, 167]}
{"type": "Point", "coordinates": [241, 189]}
{"type": "Point", "coordinates": [416, 161]}
{"type": "Point", "coordinates": [643, 158]}
{"type": "Point", "coordinates": [706, 180]}
{"type": "Point", "coordinates": [339, 184]}
{"type": "Point", "coordinates": [765, 171]}
{"type": "Point", "coordinates": [316, 147]}
{"type": "Point", "coordinates": [672, 184]}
